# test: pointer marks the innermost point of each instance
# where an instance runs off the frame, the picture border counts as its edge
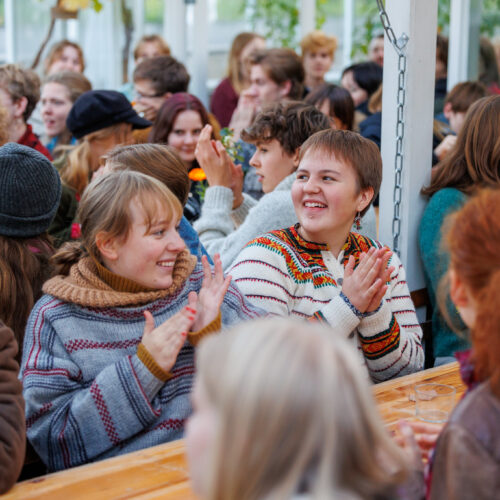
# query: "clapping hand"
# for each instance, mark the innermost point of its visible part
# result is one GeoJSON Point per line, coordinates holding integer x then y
{"type": "Point", "coordinates": [366, 285]}
{"type": "Point", "coordinates": [208, 300]}
{"type": "Point", "coordinates": [165, 341]}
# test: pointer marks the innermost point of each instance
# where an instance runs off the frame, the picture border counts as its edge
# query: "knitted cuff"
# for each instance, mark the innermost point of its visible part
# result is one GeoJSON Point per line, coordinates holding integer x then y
{"type": "Point", "coordinates": [148, 361]}
{"type": "Point", "coordinates": [356, 311]}
{"type": "Point", "coordinates": [195, 337]}
{"type": "Point", "coordinates": [239, 214]}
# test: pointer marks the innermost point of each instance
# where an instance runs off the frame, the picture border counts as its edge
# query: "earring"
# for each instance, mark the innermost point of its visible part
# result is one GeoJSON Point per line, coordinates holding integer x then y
{"type": "Point", "coordinates": [357, 221]}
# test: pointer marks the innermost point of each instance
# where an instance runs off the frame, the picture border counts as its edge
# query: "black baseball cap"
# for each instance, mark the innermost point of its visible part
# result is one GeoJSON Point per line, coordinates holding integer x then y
{"type": "Point", "coordinates": [98, 109]}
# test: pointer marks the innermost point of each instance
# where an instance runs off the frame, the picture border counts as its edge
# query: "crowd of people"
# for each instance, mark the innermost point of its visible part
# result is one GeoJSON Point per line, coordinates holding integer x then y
{"type": "Point", "coordinates": [169, 270]}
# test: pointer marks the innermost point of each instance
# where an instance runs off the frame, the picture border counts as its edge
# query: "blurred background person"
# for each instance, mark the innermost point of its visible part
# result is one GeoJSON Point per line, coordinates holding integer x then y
{"type": "Point", "coordinates": [64, 56]}
{"type": "Point", "coordinates": [318, 53]}
{"type": "Point", "coordinates": [336, 103]}
{"type": "Point", "coordinates": [225, 96]}
{"type": "Point", "coordinates": [179, 124]}
{"type": "Point", "coordinates": [376, 49]}
{"type": "Point", "coordinates": [361, 80]}
{"type": "Point", "coordinates": [19, 93]}
{"type": "Point", "coordinates": [59, 92]}
{"type": "Point", "coordinates": [148, 46]}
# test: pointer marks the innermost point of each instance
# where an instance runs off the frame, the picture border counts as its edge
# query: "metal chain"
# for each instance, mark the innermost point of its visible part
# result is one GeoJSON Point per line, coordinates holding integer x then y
{"type": "Point", "coordinates": [399, 45]}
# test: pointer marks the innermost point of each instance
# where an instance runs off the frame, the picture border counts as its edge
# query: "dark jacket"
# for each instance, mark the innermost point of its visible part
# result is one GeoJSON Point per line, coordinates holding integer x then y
{"type": "Point", "coordinates": [12, 425]}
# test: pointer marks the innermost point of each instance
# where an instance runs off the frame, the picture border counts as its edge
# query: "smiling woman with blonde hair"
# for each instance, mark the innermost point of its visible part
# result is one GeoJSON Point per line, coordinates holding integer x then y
{"type": "Point", "coordinates": [282, 408]}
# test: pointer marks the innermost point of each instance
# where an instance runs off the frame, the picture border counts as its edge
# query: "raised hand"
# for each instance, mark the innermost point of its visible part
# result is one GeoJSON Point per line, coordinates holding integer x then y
{"type": "Point", "coordinates": [213, 159]}
{"type": "Point", "coordinates": [209, 299]}
{"type": "Point", "coordinates": [385, 276]}
{"type": "Point", "coordinates": [165, 341]}
{"type": "Point", "coordinates": [366, 285]}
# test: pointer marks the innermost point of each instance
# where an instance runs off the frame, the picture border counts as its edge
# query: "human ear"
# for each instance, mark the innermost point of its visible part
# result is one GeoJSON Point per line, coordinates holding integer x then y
{"type": "Point", "coordinates": [107, 245]}
{"type": "Point", "coordinates": [20, 107]}
{"type": "Point", "coordinates": [447, 110]}
{"type": "Point", "coordinates": [295, 157]}
{"type": "Point", "coordinates": [365, 197]}
{"type": "Point", "coordinates": [166, 95]}
{"type": "Point", "coordinates": [285, 88]}
{"type": "Point", "coordinates": [458, 293]}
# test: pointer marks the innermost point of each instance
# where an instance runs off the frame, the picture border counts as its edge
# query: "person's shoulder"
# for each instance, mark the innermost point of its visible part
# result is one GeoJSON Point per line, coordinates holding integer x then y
{"type": "Point", "coordinates": [448, 196]}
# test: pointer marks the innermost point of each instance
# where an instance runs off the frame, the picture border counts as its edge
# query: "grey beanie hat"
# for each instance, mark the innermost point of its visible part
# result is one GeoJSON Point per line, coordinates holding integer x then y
{"type": "Point", "coordinates": [30, 190]}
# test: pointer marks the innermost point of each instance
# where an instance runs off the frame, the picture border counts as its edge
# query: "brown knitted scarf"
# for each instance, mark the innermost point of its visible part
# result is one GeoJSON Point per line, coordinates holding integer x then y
{"type": "Point", "coordinates": [85, 287]}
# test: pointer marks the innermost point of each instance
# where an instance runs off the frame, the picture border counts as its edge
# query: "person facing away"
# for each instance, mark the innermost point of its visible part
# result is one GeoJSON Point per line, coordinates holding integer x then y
{"type": "Point", "coordinates": [12, 423]}
{"type": "Point", "coordinates": [108, 350]}
{"type": "Point", "coordinates": [465, 459]}
{"type": "Point", "coordinates": [322, 270]}
{"type": "Point", "coordinates": [30, 191]}
{"type": "Point", "coordinates": [474, 162]}
{"type": "Point", "coordinates": [283, 410]}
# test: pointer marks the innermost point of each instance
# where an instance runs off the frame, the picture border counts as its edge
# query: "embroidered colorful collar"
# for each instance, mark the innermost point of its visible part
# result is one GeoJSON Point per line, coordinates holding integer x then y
{"type": "Point", "coordinates": [354, 245]}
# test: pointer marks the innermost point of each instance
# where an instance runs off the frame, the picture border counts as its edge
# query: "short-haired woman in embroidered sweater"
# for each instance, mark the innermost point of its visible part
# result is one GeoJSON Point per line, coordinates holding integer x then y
{"type": "Point", "coordinates": [99, 378]}
{"type": "Point", "coordinates": [320, 269]}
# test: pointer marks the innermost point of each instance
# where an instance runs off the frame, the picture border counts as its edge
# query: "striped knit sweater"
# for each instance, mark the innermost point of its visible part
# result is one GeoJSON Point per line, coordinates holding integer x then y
{"type": "Point", "coordinates": [88, 394]}
{"type": "Point", "coordinates": [286, 275]}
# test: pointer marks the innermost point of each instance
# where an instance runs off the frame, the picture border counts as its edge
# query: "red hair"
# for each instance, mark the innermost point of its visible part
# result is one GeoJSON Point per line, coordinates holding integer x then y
{"type": "Point", "coordinates": [473, 240]}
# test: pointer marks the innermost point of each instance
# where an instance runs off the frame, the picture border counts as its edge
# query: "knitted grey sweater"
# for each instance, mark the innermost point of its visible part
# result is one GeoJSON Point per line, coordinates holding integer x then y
{"type": "Point", "coordinates": [88, 394]}
{"type": "Point", "coordinates": [226, 231]}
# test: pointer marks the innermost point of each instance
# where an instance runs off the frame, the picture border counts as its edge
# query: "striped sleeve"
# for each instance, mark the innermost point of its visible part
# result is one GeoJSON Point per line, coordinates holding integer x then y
{"type": "Point", "coordinates": [391, 338]}
{"type": "Point", "coordinates": [260, 273]}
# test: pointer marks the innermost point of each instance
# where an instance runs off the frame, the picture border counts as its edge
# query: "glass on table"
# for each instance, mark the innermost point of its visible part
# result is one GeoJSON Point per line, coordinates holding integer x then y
{"type": "Point", "coordinates": [434, 402]}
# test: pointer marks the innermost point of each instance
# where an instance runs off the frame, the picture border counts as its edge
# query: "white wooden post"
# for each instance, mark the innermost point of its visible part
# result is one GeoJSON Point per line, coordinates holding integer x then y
{"type": "Point", "coordinates": [418, 19]}
{"type": "Point", "coordinates": [307, 15]}
{"type": "Point", "coordinates": [198, 57]}
{"type": "Point", "coordinates": [463, 50]}
{"type": "Point", "coordinates": [348, 29]}
{"type": "Point", "coordinates": [174, 27]}
{"type": "Point", "coordinates": [9, 20]}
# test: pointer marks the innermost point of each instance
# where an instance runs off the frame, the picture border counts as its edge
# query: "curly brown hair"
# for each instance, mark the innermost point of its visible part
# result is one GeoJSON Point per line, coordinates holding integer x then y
{"type": "Point", "coordinates": [289, 122]}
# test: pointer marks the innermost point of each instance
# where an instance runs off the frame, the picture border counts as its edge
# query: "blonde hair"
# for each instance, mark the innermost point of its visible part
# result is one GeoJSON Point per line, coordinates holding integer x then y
{"type": "Point", "coordinates": [105, 207]}
{"type": "Point", "coordinates": [79, 165]}
{"type": "Point", "coordinates": [317, 40]}
{"type": "Point", "coordinates": [20, 82]}
{"type": "Point", "coordinates": [296, 415]}
{"type": "Point", "coordinates": [4, 121]}
{"type": "Point", "coordinates": [236, 68]}
{"type": "Point", "coordinates": [56, 51]}
{"type": "Point", "coordinates": [163, 47]}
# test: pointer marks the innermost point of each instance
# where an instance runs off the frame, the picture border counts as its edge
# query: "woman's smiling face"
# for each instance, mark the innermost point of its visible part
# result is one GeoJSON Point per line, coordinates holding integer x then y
{"type": "Point", "coordinates": [326, 197]}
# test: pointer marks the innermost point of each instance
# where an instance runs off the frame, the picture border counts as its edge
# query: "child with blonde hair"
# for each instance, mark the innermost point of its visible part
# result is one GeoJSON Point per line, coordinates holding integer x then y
{"type": "Point", "coordinates": [100, 379]}
{"type": "Point", "coordinates": [283, 410]}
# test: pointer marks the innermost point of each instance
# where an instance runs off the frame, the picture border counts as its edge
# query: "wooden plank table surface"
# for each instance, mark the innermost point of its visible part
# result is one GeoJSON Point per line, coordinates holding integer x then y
{"type": "Point", "coordinates": [161, 471]}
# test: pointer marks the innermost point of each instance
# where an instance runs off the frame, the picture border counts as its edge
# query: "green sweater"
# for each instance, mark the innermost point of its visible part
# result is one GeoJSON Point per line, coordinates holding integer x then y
{"type": "Point", "coordinates": [436, 261]}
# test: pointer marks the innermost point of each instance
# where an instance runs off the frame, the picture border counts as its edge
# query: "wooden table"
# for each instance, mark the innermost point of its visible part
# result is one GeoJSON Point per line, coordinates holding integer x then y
{"type": "Point", "coordinates": [161, 472]}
